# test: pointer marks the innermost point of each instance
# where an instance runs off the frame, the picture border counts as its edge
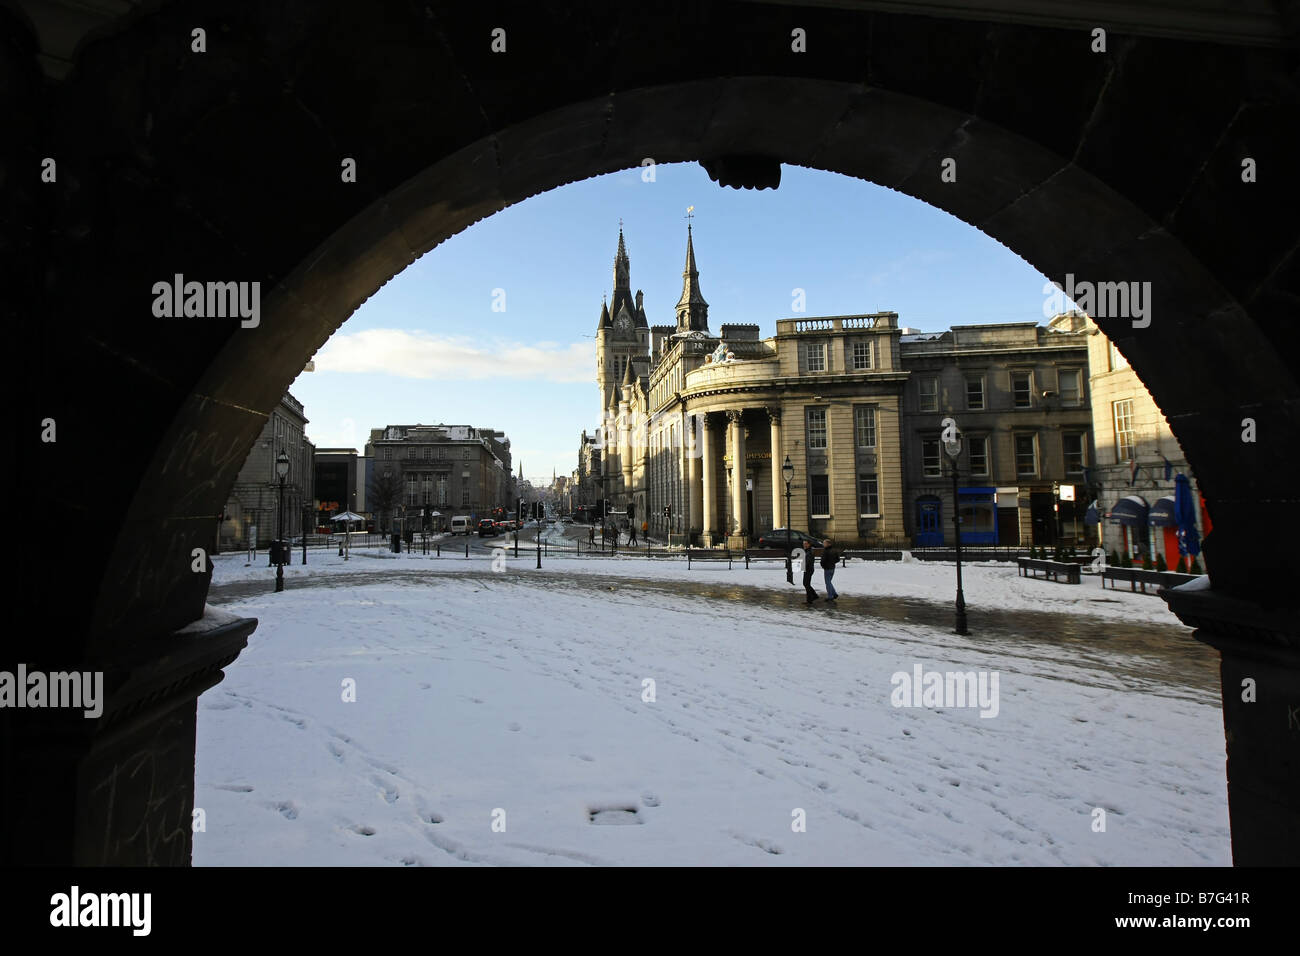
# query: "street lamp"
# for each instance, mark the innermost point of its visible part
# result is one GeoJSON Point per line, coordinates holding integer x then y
{"type": "Point", "coordinates": [952, 447]}
{"type": "Point", "coordinates": [787, 472]}
{"type": "Point", "coordinates": [281, 469]}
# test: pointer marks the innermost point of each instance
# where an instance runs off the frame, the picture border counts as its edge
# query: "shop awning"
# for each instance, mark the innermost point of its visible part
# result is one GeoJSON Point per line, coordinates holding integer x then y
{"type": "Point", "coordinates": [1162, 513]}
{"type": "Point", "coordinates": [1130, 511]}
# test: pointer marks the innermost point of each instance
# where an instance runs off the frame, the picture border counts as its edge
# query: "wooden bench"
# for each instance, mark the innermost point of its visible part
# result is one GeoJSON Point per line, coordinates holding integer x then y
{"type": "Point", "coordinates": [764, 554]}
{"type": "Point", "coordinates": [1141, 577]}
{"type": "Point", "coordinates": [1031, 567]}
{"type": "Point", "coordinates": [707, 554]}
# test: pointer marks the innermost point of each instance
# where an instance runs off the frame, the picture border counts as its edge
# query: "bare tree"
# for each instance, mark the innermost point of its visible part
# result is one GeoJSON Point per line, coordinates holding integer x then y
{"type": "Point", "coordinates": [384, 492]}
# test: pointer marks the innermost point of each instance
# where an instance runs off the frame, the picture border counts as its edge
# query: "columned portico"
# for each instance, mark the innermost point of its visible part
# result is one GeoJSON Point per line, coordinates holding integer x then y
{"type": "Point", "coordinates": [710, 509]}
{"type": "Point", "coordinates": [736, 425]}
{"type": "Point", "coordinates": [695, 493]}
{"type": "Point", "coordinates": [779, 518]}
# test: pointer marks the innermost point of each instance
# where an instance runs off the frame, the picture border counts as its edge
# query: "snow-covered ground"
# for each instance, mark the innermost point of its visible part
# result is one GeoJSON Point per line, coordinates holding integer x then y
{"type": "Point", "coordinates": [990, 584]}
{"type": "Point", "coordinates": [502, 717]}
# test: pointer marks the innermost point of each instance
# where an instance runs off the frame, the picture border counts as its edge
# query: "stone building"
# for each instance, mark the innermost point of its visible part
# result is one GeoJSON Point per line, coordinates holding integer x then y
{"type": "Point", "coordinates": [695, 434]}
{"type": "Point", "coordinates": [251, 516]}
{"type": "Point", "coordinates": [1019, 393]}
{"type": "Point", "coordinates": [1137, 459]}
{"type": "Point", "coordinates": [454, 469]}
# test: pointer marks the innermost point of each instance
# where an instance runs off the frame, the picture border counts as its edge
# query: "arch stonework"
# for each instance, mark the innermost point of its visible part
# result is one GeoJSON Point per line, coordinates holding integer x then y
{"type": "Point", "coordinates": [225, 166]}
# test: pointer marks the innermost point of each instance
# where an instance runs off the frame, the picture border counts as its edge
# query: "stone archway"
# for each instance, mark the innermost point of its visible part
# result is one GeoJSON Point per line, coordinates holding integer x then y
{"type": "Point", "coordinates": [225, 166]}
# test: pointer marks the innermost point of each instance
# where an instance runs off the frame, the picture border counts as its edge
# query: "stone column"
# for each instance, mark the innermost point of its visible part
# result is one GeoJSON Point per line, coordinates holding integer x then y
{"type": "Point", "coordinates": [695, 492]}
{"type": "Point", "coordinates": [1259, 674]}
{"type": "Point", "coordinates": [779, 518]}
{"type": "Point", "coordinates": [709, 512]}
{"type": "Point", "coordinates": [736, 418]}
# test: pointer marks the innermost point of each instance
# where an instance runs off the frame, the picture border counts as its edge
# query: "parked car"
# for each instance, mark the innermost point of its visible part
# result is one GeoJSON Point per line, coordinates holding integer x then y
{"type": "Point", "coordinates": [460, 524]}
{"type": "Point", "coordinates": [786, 539]}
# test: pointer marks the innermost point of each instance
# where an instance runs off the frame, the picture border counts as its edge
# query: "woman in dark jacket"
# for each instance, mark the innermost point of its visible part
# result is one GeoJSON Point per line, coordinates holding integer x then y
{"type": "Point", "coordinates": [830, 556]}
{"type": "Point", "coordinates": [808, 566]}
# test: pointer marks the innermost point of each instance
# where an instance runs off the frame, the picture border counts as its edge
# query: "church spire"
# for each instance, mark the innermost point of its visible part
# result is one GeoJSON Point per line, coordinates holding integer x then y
{"type": "Point", "coordinates": [692, 310]}
{"type": "Point", "coordinates": [622, 266]}
{"type": "Point", "coordinates": [604, 315]}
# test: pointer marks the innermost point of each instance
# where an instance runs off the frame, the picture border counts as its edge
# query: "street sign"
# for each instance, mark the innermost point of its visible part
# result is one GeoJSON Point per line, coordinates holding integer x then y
{"type": "Point", "coordinates": [1067, 492]}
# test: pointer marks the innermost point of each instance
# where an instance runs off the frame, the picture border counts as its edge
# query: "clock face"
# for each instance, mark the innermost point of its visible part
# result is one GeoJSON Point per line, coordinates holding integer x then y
{"type": "Point", "coordinates": [623, 323]}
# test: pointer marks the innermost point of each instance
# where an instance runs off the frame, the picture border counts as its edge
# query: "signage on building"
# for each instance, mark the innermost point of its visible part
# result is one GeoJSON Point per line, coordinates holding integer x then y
{"type": "Point", "coordinates": [1067, 492]}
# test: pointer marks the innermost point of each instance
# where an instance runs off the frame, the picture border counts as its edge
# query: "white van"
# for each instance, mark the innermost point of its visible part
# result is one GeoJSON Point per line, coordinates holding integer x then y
{"type": "Point", "coordinates": [460, 524]}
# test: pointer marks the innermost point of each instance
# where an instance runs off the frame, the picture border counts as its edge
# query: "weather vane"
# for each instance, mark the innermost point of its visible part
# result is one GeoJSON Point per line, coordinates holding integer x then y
{"type": "Point", "coordinates": [690, 212]}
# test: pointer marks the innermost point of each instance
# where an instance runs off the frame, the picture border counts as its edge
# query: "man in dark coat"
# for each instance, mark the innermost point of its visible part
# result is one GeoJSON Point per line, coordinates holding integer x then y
{"type": "Point", "coordinates": [808, 565]}
{"type": "Point", "coordinates": [829, 558]}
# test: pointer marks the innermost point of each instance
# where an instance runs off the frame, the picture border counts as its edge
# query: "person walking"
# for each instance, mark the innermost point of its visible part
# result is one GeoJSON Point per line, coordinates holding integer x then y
{"type": "Point", "coordinates": [830, 556]}
{"type": "Point", "coordinates": [591, 535]}
{"type": "Point", "coordinates": [808, 572]}
{"type": "Point", "coordinates": [631, 535]}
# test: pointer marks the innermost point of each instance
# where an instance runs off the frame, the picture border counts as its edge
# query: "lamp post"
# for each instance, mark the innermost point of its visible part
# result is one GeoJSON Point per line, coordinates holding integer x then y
{"type": "Point", "coordinates": [306, 519]}
{"type": "Point", "coordinates": [952, 447]}
{"type": "Point", "coordinates": [787, 472]}
{"type": "Point", "coordinates": [281, 469]}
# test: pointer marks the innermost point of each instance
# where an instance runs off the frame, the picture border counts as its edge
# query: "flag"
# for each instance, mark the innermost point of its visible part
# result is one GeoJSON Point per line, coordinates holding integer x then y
{"type": "Point", "coordinates": [1169, 469]}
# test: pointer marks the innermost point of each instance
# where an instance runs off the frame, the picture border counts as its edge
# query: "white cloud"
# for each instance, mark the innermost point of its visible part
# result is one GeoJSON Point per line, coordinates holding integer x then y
{"type": "Point", "coordinates": [450, 358]}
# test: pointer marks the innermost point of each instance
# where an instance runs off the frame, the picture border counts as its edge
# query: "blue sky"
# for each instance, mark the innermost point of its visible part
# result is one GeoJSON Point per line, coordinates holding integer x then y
{"type": "Point", "coordinates": [429, 348]}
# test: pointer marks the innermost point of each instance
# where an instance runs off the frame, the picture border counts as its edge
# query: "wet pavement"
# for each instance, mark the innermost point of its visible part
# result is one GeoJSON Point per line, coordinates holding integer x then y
{"type": "Point", "coordinates": [1160, 658]}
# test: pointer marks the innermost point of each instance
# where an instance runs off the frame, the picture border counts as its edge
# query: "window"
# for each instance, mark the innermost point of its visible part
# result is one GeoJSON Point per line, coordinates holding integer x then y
{"type": "Point", "coordinates": [464, 491]}
{"type": "Point", "coordinates": [862, 354]}
{"type": "Point", "coordinates": [814, 356]}
{"type": "Point", "coordinates": [1026, 456]}
{"type": "Point", "coordinates": [1071, 389]}
{"type": "Point", "coordinates": [1114, 359]}
{"type": "Point", "coordinates": [931, 463]}
{"type": "Point", "coordinates": [1022, 395]}
{"type": "Point", "coordinates": [975, 392]}
{"type": "Point", "coordinates": [1124, 437]}
{"type": "Point", "coordinates": [868, 497]}
{"type": "Point", "coordinates": [929, 393]}
{"type": "Point", "coordinates": [468, 453]}
{"type": "Point", "coordinates": [388, 453]}
{"type": "Point", "coordinates": [442, 491]}
{"type": "Point", "coordinates": [817, 428]}
{"type": "Point", "coordinates": [819, 494]}
{"type": "Point", "coordinates": [864, 425]}
{"type": "Point", "coordinates": [979, 455]}
{"type": "Point", "coordinates": [1073, 446]}
{"type": "Point", "coordinates": [428, 452]}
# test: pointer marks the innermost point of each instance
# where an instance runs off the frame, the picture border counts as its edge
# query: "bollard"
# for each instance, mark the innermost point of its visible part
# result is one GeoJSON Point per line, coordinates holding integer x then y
{"type": "Point", "coordinates": [439, 549]}
{"type": "Point", "coordinates": [467, 547]}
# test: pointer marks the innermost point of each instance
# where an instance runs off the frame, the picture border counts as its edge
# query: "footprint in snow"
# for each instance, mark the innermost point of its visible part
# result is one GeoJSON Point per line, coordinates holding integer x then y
{"type": "Point", "coordinates": [362, 829]}
{"type": "Point", "coordinates": [514, 726]}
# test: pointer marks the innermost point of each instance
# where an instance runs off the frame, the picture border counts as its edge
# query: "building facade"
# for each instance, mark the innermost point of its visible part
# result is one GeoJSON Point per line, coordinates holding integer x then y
{"type": "Point", "coordinates": [695, 435]}
{"type": "Point", "coordinates": [1019, 393]}
{"type": "Point", "coordinates": [452, 469]}
{"type": "Point", "coordinates": [252, 513]}
{"type": "Point", "coordinates": [1137, 461]}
